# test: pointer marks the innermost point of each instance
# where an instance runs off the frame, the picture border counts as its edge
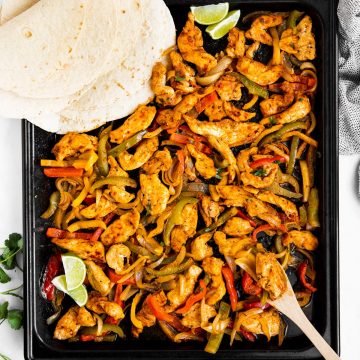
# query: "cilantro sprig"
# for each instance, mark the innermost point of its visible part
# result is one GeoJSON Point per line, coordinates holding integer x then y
{"type": "Point", "coordinates": [13, 245]}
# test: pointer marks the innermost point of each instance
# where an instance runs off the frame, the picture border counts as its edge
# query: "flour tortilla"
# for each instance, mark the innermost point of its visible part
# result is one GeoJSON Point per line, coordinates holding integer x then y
{"type": "Point", "coordinates": [107, 100]}
{"type": "Point", "coordinates": [11, 8]}
{"type": "Point", "coordinates": [44, 68]}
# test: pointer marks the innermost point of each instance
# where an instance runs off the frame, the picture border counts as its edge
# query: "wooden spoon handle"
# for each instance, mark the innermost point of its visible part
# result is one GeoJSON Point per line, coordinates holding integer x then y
{"type": "Point", "coordinates": [305, 325]}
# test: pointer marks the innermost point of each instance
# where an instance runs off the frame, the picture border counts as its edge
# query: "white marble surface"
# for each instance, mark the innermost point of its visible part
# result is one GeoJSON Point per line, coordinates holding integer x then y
{"type": "Point", "coordinates": [11, 342]}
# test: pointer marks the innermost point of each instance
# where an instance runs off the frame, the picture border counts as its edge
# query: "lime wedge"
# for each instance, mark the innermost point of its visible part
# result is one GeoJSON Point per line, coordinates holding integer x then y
{"type": "Point", "coordinates": [75, 271]}
{"type": "Point", "coordinates": [60, 283]}
{"type": "Point", "coordinates": [210, 14]}
{"type": "Point", "coordinates": [79, 295]}
{"type": "Point", "coordinates": [220, 29]}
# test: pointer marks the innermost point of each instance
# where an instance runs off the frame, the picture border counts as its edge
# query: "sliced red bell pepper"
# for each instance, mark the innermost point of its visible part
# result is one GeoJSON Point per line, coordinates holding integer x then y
{"type": "Point", "coordinates": [97, 233]}
{"type": "Point", "coordinates": [206, 101]}
{"type": "Point", "coordinates": [53, 269]}
{"type": "Point", "coordinates": [261, 162]}
{"type": "Point", "coordinates": [181, 157]}
{"type": "Point", "coordinates": [302, 276]}
{"type": "Point", "coordinates": [192, 299]}
{"type": "Point", "coordinates": [248, 335]}
{"type": "Point", "coordinates": [230, 286]}
{"type": "Point", "coordinates": [114, 278]}
{"type": "Point", "coordinates": [86, 338]}
{"type": "Point", "coordinates": [180, 138]}
{"type": "Point", "coordinates": [62, 234]}
{"type": "Point", "coordinates": [256, 305]}
{"type": "Point", "coordinates": [89, 200]}
{"type": "Point", "coordinates": [198, 138]}
{"type": "Point", "coordinates": [63, 172]}
{"type": "Point", "coordinates": [118, 291]}
{"type": "Point", "coordinates": [266, 227]}
{"type": "Point", "coordinates": [160, 314]}
{"type": "Point", "coordinates": [203, 148]}
{"type": "Point", "coordinates": [246, 217]}
{"type": "Point", "coordinates": [249, 285]}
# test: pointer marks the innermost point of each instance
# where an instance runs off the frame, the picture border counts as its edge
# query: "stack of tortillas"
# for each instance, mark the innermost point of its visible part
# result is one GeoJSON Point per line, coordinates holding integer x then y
{"type": "Point", "coordinates": [74, 65]}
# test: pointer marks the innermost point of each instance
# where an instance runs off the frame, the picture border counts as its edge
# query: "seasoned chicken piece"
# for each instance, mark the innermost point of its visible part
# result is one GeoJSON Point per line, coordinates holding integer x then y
{"type": "Point", "coordinates": [287, 206]}
{"type": "Point", "coordinates": [259, 26]}
{"type": "Point", "coordinates": [116, 257]}
{"type": "Point", "coordinates": [192, 318]}
{"type": "Point", "coordinates": [237, 114]}
{"type": "Point", "coordinates": [143, 153]}
{"type": "Point", "coordinates": [302, 239]}
{"type": "Point", "coordinates": [140, 120]}
{"type": "Point", "coordinates": [102, 209]}
{"type": "Point", "coordinates": [84, 249]}
{"type": "Point", "coordinates": [232, 247]}
{"type": "Point", "coordinates": [165, 95]}
{"type": "Point", "coordinates": [121, 229]}
{"type": "Point", "coordinates": [168, 118]}
{"type": "Point", "coordinates": [180, 233]}
{"type": "Point", "coordinates": [160, 161]}
{"type": "Point", "coordinates": [295, 112]}
{"type": "Point", "coordinates": [184, 79]}
{"type": "Point", "coordinates": [260, 182]}
{"type": "Point", "coordinates": [228, 88]}
{"type": "Point", "coordinates": [252, 49]}
{"type": "Point", "coordinates": [234, 193]}
{"type": "Point", "coordinates": [203, 164]}
{"type": "Point", "coordinates": [270, 274]}
{"type": "Point", "coordinates": [190, 43]}
{"type": "Point", "coordinates": [146, 315]}
{"type": "Point", "coordinates": [276, 104]}
{"type": "Point", "coordinates": [73, 144]}
{"type": "Point", "coordinates": [236, 43]}
{"type": "Point", "coordinates": [266, 322]}
{"type": "Point", "coordinates": [227, 154]}
{"type": "Point", "coordinates": [237, 226]}
{"type": "Point", "coordinates": [232, 133]}
{"type": "Point", "coordinates": [155, 194]}
{"type": "Point", "coordinates": [258, 72]}
{"type": "Point", "coordinates": [299, 41]}
{"type": "Point", "coordinates": [199, 248]}
{"type": "Point", "coordinates": [176, 296]}
{"type": "Point", "coordinates": [243, 158]}
{"type": "Point", "coordinates": [118, 193]}
{"type": "Point", "coordinates": [209, 209]}
{"type": "Point", "coordinates": [263, 211]}
{"type": "Point", "coordinates": [215, 111]}
{"type": "Point", "coordinates": [212, 266]}
{"type": "Point", "coordinates": [288, 87]}
{"type": "Point", "coordinates": [97, 278]}
{"type": "Point", "coordinates": [70, 323]}
{"type": "Point", "coordinates": [101, 305]}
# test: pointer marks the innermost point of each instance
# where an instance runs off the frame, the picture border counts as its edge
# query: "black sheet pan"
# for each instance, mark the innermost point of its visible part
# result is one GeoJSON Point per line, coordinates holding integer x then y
{"type": "Point", "coordinates": [324, 309]}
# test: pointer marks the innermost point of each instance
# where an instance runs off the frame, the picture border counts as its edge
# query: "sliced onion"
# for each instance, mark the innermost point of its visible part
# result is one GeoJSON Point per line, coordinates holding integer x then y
{"type": "Point", "coordinates": [231, 262]}
{"type": "Point", "coordinates": [187, 336]}
{"type": "Point", "coordinates": [168, 330]}
{"type": "Point", "coordinates": [215, 73]}
{"type": "Point", "coordinates": [310, 73]}
{"type": "Point", "coordinates": [196, 187]}
{"type": "Point", "coordinates": [307, 65]}
{"type": "Point", "coordinates": [100, 324]}
{"type": "Point", "coordinates": [51, 319]}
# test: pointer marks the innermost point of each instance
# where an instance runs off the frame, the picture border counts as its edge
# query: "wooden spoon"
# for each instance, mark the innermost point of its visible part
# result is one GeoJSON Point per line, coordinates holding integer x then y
{"type": "Point", "coordinates": [288, 305]}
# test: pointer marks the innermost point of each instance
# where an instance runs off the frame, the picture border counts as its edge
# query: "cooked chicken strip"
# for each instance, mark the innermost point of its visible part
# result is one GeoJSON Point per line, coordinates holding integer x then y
{"type": "Point", "coordinates": [302, 239]}
{"type": "Point", "coordinates": [236, 43]}
{"type": "Point", "coordinates": [237, 114]}
{"type": "Point", "coordinates": [140, 120]}
{"type": "Point", "coordinates": [97, 278]}
{"type": "Point", "coordinates": [203, 164]}
{"type": "Point", "coordinates": [192, 318]}
{"type": "Point", "coordinates": [199, 248]}
{"type": "Point", "coordinates": [84, 249]}
{"type": "Point", "coordinates": [212, 266]}
{"type": "Point", "coordinates": [237, 226]}
{"type": "Point", "coordinates": [101, 305]}
{"type": "Point", "coordinates": [160, 161]}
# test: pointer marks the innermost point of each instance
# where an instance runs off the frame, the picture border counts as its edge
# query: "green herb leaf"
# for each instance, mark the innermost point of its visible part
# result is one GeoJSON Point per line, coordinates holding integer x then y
{"type": "Point", "coordinates": [218, 173]}
{"type": "Point", "coordinates": [12, 293]}
{"type": "Point", "coordinates": [4, 357]}
{"type": "Point", "coordinates": [15, 318]}
{"type": "Point", "coordinates": [13, 245]}
{"type": "Point", "coordinates": [179, 78]}
{"type": "Point", "coordinates": [4, 277]}
{"type": "Point", "coordinates": [4, 310]}
{"type": "Point", "coordinates": [272, 120]}
{"type": "Point", "coordinates": [259, 172]}
{"type": "Point", "coordinates": [277, 162]}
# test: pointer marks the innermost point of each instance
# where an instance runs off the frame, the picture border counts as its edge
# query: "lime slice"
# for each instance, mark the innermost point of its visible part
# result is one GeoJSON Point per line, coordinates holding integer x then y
{"type": "Point", "coordinates": [60, 283]}
{"type": "Point", "coordinates": [75, 271]}
{"type": "Point", "coordinates": [210, 14]}
{"type": "Point", "coordinates": [220, 29]}
{"type": "Point", "coordinates": [79, 295]}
